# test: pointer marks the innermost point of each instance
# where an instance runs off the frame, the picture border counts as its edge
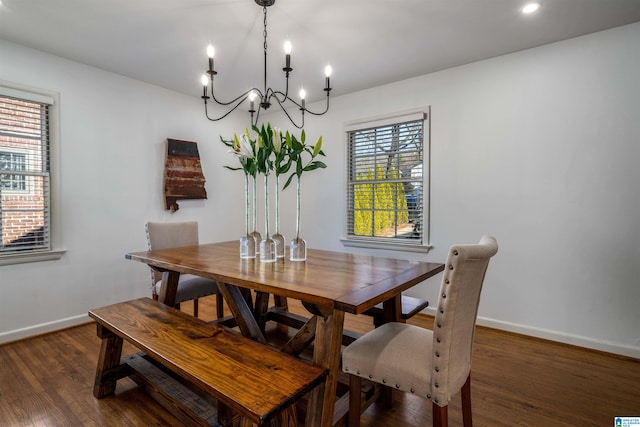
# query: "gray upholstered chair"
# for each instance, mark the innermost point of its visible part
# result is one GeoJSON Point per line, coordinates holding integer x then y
{"type": "Point", "coordinates": [162, 235]}
{"type": "Point", "coordinates": [434, 364]}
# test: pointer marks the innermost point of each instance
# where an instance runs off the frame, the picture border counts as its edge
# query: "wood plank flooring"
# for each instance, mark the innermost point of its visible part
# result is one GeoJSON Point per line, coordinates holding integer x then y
{"type": "Point", "coordinates": [516, 381]}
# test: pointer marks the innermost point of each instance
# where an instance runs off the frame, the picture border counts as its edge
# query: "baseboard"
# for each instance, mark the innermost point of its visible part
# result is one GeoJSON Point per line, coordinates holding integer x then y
{"type": "Point", "coordinates": [577, 340]}
{"type": "Point", "coordinates": [43, 328]}
{"type": "Point", "coordinates": [556, 336]}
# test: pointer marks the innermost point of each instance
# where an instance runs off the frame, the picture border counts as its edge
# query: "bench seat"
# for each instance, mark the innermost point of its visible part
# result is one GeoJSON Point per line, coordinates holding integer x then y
{"type": "Point", "coordinates": [252, 379]}
{"type": "Point", "coordinates": [410, 307]}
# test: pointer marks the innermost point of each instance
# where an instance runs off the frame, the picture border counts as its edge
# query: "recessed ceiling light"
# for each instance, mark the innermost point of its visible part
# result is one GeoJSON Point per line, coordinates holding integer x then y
{"type": "Point", "coordinates": [531, 7]}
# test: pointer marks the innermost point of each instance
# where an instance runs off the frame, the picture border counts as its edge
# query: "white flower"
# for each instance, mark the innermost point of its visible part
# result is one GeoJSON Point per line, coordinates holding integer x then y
{"type": "Point", "coordinates": [242, 147]}
{"type": "Point", "coordinates": [277, 139]}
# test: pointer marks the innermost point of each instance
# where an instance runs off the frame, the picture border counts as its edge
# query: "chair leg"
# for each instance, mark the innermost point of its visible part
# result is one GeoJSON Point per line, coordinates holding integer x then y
{"type": "Point", "coordinates": [195, 307]}
{"type": "Point", "coordinates": [440, 416]}
{"type": "Point", "coordinates": [466, 403]}
{"type": "Point", "coordinates": [355, 403]}
{"type": "Point", "coordinates": [219, 306]}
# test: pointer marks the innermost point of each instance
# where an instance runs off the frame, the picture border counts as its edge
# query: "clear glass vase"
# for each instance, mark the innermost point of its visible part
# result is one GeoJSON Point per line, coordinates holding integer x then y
{"type": "Point", "coordinates": [279, 238]}
{"type": "Point", "coordinates": [257, 237]}
{"type": "Point", "coordinates": [298, 246]}
{"type": "Point", "coordinates": [267, 245]}
{"type": "Point", "coordinates": [247, 242]}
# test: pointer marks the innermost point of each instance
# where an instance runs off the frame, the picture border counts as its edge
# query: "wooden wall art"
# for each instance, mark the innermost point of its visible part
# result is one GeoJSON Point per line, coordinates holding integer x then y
{"type": "Point", "coordinates": [183, 178]}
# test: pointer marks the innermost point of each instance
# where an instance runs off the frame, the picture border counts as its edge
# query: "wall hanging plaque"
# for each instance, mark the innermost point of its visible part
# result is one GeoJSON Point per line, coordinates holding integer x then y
{"type": "Point", "coordinates": [183, 178]}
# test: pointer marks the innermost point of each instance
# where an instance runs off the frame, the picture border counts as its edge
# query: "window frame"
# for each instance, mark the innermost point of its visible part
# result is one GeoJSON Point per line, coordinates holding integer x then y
{"type": "Point", "coordinates": [25, 178]}
{"type": "Point", "coordinates": [55, 249]}
{"type": "Point", "coordinates": [394, 244]}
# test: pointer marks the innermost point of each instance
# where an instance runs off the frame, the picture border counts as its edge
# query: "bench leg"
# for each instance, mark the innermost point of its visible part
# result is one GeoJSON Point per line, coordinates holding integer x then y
{"type": "Point", "coordinates": [108, 361]}
{"type": "Point", "coordinates": [225, 415]}
{"type": "Point", "coordinates": [286, 418]}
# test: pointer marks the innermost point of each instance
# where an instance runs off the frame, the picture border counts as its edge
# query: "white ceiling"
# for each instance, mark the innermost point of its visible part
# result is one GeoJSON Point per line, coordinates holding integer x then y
{"type": "Point", "coordinates": [367, 42]}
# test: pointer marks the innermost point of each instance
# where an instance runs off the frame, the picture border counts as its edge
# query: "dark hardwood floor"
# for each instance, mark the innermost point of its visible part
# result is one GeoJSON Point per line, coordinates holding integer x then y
{"type": "Point", "coordinates": [516, 381]}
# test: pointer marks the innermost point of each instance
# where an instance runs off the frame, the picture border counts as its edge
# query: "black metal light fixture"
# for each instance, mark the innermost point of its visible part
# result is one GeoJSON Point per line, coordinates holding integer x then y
{"type": "Point", "coordinates": [267, 96]}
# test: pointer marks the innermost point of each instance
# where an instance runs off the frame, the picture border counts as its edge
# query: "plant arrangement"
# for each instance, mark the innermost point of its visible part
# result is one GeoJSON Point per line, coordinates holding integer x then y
{"type": "Point", "coordinates": [269, 150]}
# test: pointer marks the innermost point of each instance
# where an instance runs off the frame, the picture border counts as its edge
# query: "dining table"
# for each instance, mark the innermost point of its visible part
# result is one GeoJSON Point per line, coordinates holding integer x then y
{"type": "Point", "coordinates": [328, 283]}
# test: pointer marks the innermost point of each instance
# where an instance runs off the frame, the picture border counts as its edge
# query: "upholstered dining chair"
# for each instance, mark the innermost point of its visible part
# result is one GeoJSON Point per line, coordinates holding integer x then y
{"type": "Point", "coordinates": [433, 364]}
{"type": "Point", "coordinates": [162, 235]}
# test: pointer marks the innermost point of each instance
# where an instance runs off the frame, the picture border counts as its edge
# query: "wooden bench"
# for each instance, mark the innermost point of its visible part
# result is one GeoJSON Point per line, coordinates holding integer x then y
{"type": "Point", "coordinates": [410, 307]}
{"type": "Point", "coordinates": [250, 378]}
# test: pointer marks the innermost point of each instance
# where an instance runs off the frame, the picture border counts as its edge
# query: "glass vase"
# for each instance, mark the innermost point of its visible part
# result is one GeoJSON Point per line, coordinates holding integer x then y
{"type": "Point", "coordinates": [257, 237]}
{"type": "Point", "coordinates": [247, 242]}
{"type": "Point", "coordinates": [279, 238]}
{"type": "Point", "coordinates": [298, 246]}
{"type": "Point", "coordinates": [267, 245]}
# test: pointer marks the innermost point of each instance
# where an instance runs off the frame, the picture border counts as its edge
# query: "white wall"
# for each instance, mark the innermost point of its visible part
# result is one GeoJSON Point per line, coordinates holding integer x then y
{"type": "Point", "coordinates": [540, 149]}
{"type": "Point", "coordinates": [536, 148]}
{"type": "Point", "coordinates": [113, 132]}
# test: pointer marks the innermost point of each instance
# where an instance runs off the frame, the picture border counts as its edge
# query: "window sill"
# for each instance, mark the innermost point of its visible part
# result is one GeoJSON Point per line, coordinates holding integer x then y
{"type": "Point", "coordinates": [362, 243]}
{"type": "Point", "coordinates": [21, 258]}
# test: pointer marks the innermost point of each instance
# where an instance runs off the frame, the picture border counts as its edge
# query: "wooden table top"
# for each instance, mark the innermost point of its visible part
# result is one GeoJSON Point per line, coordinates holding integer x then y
{"type": "Point", "coordinates": [349, 282]}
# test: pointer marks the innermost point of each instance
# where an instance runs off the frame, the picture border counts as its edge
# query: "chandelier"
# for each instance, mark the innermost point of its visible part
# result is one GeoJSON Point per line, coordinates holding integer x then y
{"type": "Point", "coordinates": [265, 97]}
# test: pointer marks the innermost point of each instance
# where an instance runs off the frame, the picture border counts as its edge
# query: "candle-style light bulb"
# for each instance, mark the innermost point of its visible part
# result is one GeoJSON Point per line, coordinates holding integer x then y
{"type": "Point", "coordinates": [287, 52]}
{"type": "Point", "coordinates": [205, 81]}
{"type": "Point", "coordinates": [327, 73]}
{"type": "Point", "coordinates": [303, 94]}
{"type": "Point", "coordinates": [252, 97]}
{"type": "Point", "coordinates": [210, 53]}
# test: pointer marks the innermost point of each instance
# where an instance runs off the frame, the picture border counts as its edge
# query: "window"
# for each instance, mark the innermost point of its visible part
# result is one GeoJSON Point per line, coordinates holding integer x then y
{"type": "Point", "coordinates": [11, 161]}
{"type": "Point", "coordinates": [386, 188]}
{"type": "Point", "coordinates": [25, 190]}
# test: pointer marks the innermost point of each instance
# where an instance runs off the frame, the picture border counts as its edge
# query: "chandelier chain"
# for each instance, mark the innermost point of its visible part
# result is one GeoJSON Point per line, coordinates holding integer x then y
{"type": "Point", "coordinates": [264, 32]}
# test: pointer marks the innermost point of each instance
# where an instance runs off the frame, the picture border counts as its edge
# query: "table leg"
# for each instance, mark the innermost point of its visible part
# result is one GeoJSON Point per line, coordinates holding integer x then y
{"type": "Point", "coordinates": [260, 309]}
{"type": "Point", "coordinates": [169, 288]}
{"type": "Point", "coordinates": [241, 311]}
{"type": "Point", "coordinates": [327, 350]}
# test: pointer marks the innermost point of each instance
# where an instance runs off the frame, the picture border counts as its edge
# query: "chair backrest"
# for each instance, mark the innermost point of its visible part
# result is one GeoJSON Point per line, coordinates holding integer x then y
{"type": "Point", "coordinates": [161, 235]}
{"type": "Point", "coordinates": [454, 324]}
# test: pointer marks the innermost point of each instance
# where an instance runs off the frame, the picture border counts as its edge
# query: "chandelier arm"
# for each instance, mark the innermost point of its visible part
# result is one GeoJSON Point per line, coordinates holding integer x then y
{"type": "Point", "coordinates": [206, 112]}
{"type": "Point", "coordinates": [319, 114]}
{"type": "Point", "coordinates": [284, 110]}
{"type": "Point", "coordinates": [285, 98]}
{"type": "Point", "coordinates": [243, 96]}
{"type": "Point", "coordinates": [257, 117]}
